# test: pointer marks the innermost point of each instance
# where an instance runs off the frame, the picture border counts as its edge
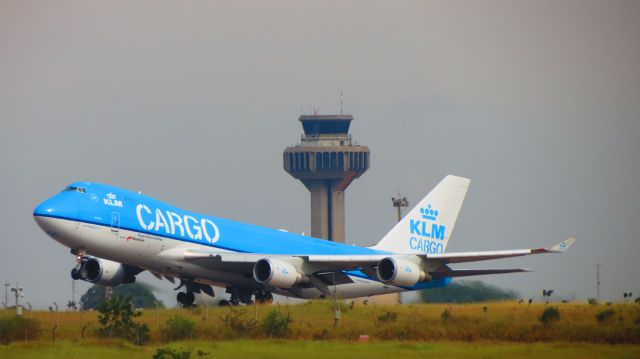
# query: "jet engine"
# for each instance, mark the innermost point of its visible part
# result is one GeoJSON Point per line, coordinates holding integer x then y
{"type": "Point", "coordinates": [276, 273]}
{"type": "Point", "coordinates": [402, 272]}
{"type": "Point", "coordinates": [102, 271]}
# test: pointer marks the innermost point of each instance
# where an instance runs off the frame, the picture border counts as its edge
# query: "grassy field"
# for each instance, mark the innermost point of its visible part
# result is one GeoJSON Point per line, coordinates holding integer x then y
{"type": "Point", "coordinates": [504, 321]}
{"type": "Point", "coordinates": [323, 350]}
{"type": "Point", "coordinates": [470, 330]}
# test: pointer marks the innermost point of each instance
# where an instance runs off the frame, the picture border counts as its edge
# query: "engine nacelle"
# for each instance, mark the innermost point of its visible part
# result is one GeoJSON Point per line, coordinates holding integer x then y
{"type": "Point", "coordinates": [398, 271]}
{"type": "Point", "coordinates": [276, 273]}
{"type": "Point", "coordinates": [104, 272]}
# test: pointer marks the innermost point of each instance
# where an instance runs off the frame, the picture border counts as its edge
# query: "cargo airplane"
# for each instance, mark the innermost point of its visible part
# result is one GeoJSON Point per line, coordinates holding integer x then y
{"type": "Point", "coordinates": [115, 234]}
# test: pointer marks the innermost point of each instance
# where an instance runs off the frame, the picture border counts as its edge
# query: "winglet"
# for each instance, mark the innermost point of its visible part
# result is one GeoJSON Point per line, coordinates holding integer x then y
{"type": "Point", "coordinates": [563, 246]}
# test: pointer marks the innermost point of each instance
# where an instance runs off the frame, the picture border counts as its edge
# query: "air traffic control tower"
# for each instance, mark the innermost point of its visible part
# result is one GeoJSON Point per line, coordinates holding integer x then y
{"type": "Point", "coordinates": [326, 161]}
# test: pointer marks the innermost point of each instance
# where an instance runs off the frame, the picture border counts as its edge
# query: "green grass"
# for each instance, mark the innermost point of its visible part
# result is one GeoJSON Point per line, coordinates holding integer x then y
{"type": "Point", "coordinates": [324, 349]}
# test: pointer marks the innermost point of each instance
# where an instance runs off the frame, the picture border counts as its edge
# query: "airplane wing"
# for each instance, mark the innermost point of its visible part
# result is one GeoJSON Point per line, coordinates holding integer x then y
{"type": "Point", "coordinates": [483, 256]}
{"type": "Point", "coordinates": [446, 258]}
{"type": "Point", "coordinates": [327, 263]}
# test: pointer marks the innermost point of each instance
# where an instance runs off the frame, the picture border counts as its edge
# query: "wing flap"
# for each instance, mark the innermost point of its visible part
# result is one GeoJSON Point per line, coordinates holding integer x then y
{"type": "Point", "coordinates": [473, 272]}
{"type": "Point", "coordinates": [347, 260]}
{"type": "Point", "coordinates": [463, 257]}
{"type": "Point", "coordinates": [367, 263]}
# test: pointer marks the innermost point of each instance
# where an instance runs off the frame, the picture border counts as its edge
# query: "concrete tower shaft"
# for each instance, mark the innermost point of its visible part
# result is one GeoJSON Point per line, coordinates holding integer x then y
{"type": "Point", "coordinates": [326, 161]}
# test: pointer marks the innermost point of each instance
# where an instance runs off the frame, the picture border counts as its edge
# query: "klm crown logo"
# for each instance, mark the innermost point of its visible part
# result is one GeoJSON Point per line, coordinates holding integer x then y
{"type": "Point", "coordinates": [112, 201]}
{"type": "Point", "coordinates": [427, 226]}
{"type": "Point", "coordinates": [426, 233]}
{"type": "Point", "coordinates": [429, 213]}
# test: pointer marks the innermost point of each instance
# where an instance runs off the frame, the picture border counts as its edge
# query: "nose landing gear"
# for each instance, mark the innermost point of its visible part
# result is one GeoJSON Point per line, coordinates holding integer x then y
{"type": "Point", "coordinates": [75, 274]}
{"type": "Point", "coordinates": [79, 272]}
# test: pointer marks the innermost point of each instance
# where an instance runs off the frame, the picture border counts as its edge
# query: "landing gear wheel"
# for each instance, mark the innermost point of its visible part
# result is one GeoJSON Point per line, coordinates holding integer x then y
{"type": "Point", "coordinates": [75, 274]}
{"type": "Point", "coordinates": [190, 299]}
{"type": "Point", "coordinates": [186, 299]}
{"type": "Point", "coordinates": [182, 298]}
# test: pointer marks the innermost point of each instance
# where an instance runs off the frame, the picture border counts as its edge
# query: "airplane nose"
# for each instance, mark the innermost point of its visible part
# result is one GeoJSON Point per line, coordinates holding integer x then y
{"type": "Point", "coordinates": [48, 214]}
{"type": "Point", "coordinates": [57, 206]}
{"type": "Point", "coordinates": [43, 213]}
{"type": "Point", "coordinates": [46, 208]}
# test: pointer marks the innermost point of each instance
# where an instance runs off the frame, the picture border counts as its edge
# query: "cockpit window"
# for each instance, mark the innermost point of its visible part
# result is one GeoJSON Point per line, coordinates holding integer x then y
{"type": "Point", "coordinates": [75, 189]}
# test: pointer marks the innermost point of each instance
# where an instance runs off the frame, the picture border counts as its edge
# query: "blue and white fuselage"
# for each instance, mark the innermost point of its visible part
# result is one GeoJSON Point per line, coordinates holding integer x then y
{"type": "Point", "coordinates": [143, 233]}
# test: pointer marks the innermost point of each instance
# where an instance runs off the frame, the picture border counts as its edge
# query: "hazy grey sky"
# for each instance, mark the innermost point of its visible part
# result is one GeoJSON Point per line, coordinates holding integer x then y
{"type": "Point", "coordinates": [538, 102]}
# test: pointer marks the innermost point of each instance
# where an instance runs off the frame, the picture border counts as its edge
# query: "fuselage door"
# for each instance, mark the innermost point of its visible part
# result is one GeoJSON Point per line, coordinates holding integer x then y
{"type": "Point", "coordinates": [115, 222]}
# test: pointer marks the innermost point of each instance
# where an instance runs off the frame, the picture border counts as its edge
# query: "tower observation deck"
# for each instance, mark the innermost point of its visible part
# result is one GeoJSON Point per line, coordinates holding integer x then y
{"type": "Point", "coordinates": [326, 161]}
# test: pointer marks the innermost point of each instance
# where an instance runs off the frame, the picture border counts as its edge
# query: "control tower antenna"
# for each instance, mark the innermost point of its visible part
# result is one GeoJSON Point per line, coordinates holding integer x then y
{"type": "Point", "coordinates": [399, 203]}
{"type": "Point", "coordinates": [326, 161]}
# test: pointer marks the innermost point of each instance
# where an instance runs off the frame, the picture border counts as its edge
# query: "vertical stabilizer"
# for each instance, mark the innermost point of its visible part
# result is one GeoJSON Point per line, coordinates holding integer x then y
{"type": "Point", "coordinates": [428, 227]}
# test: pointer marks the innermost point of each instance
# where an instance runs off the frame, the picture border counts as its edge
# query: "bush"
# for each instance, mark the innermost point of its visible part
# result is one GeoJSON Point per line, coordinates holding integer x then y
{"type": "Point", "coordinates": [549, 316]}
{"type": "Point", "coordinates": [116, 317]}
{"type": "Point", "coordinates": [276, 324]}
{"type": "Point", "coordinates": [237, 321]}
{"type": "Point", "coordinates": [179, 328]}
{"type": "Point", "coordinates": [468, 292]}
{"type": "Point", "coordinates": [168, 353]}
{"type": "Point", "coordinates": [592, 301]}
{"type": "Point", "coordinates": [18, 328]}
{"type": "Point", "coordinates": [605, 316]}
{"type": "Point", "coordinates": [141, 295]}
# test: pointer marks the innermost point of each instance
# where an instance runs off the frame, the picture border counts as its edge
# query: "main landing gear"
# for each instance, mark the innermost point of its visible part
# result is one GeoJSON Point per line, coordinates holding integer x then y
{"type": "Point", "coordinates": [187, 298]}
{"type": "Point", "coordinates": [238, 294]}
{"type": "Point", "coordinates": [244, 296]}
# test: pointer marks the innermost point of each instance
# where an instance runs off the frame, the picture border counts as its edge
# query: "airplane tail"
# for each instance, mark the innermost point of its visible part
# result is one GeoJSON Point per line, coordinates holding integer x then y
{"type": "Point", "coordinates": [428, 227]}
